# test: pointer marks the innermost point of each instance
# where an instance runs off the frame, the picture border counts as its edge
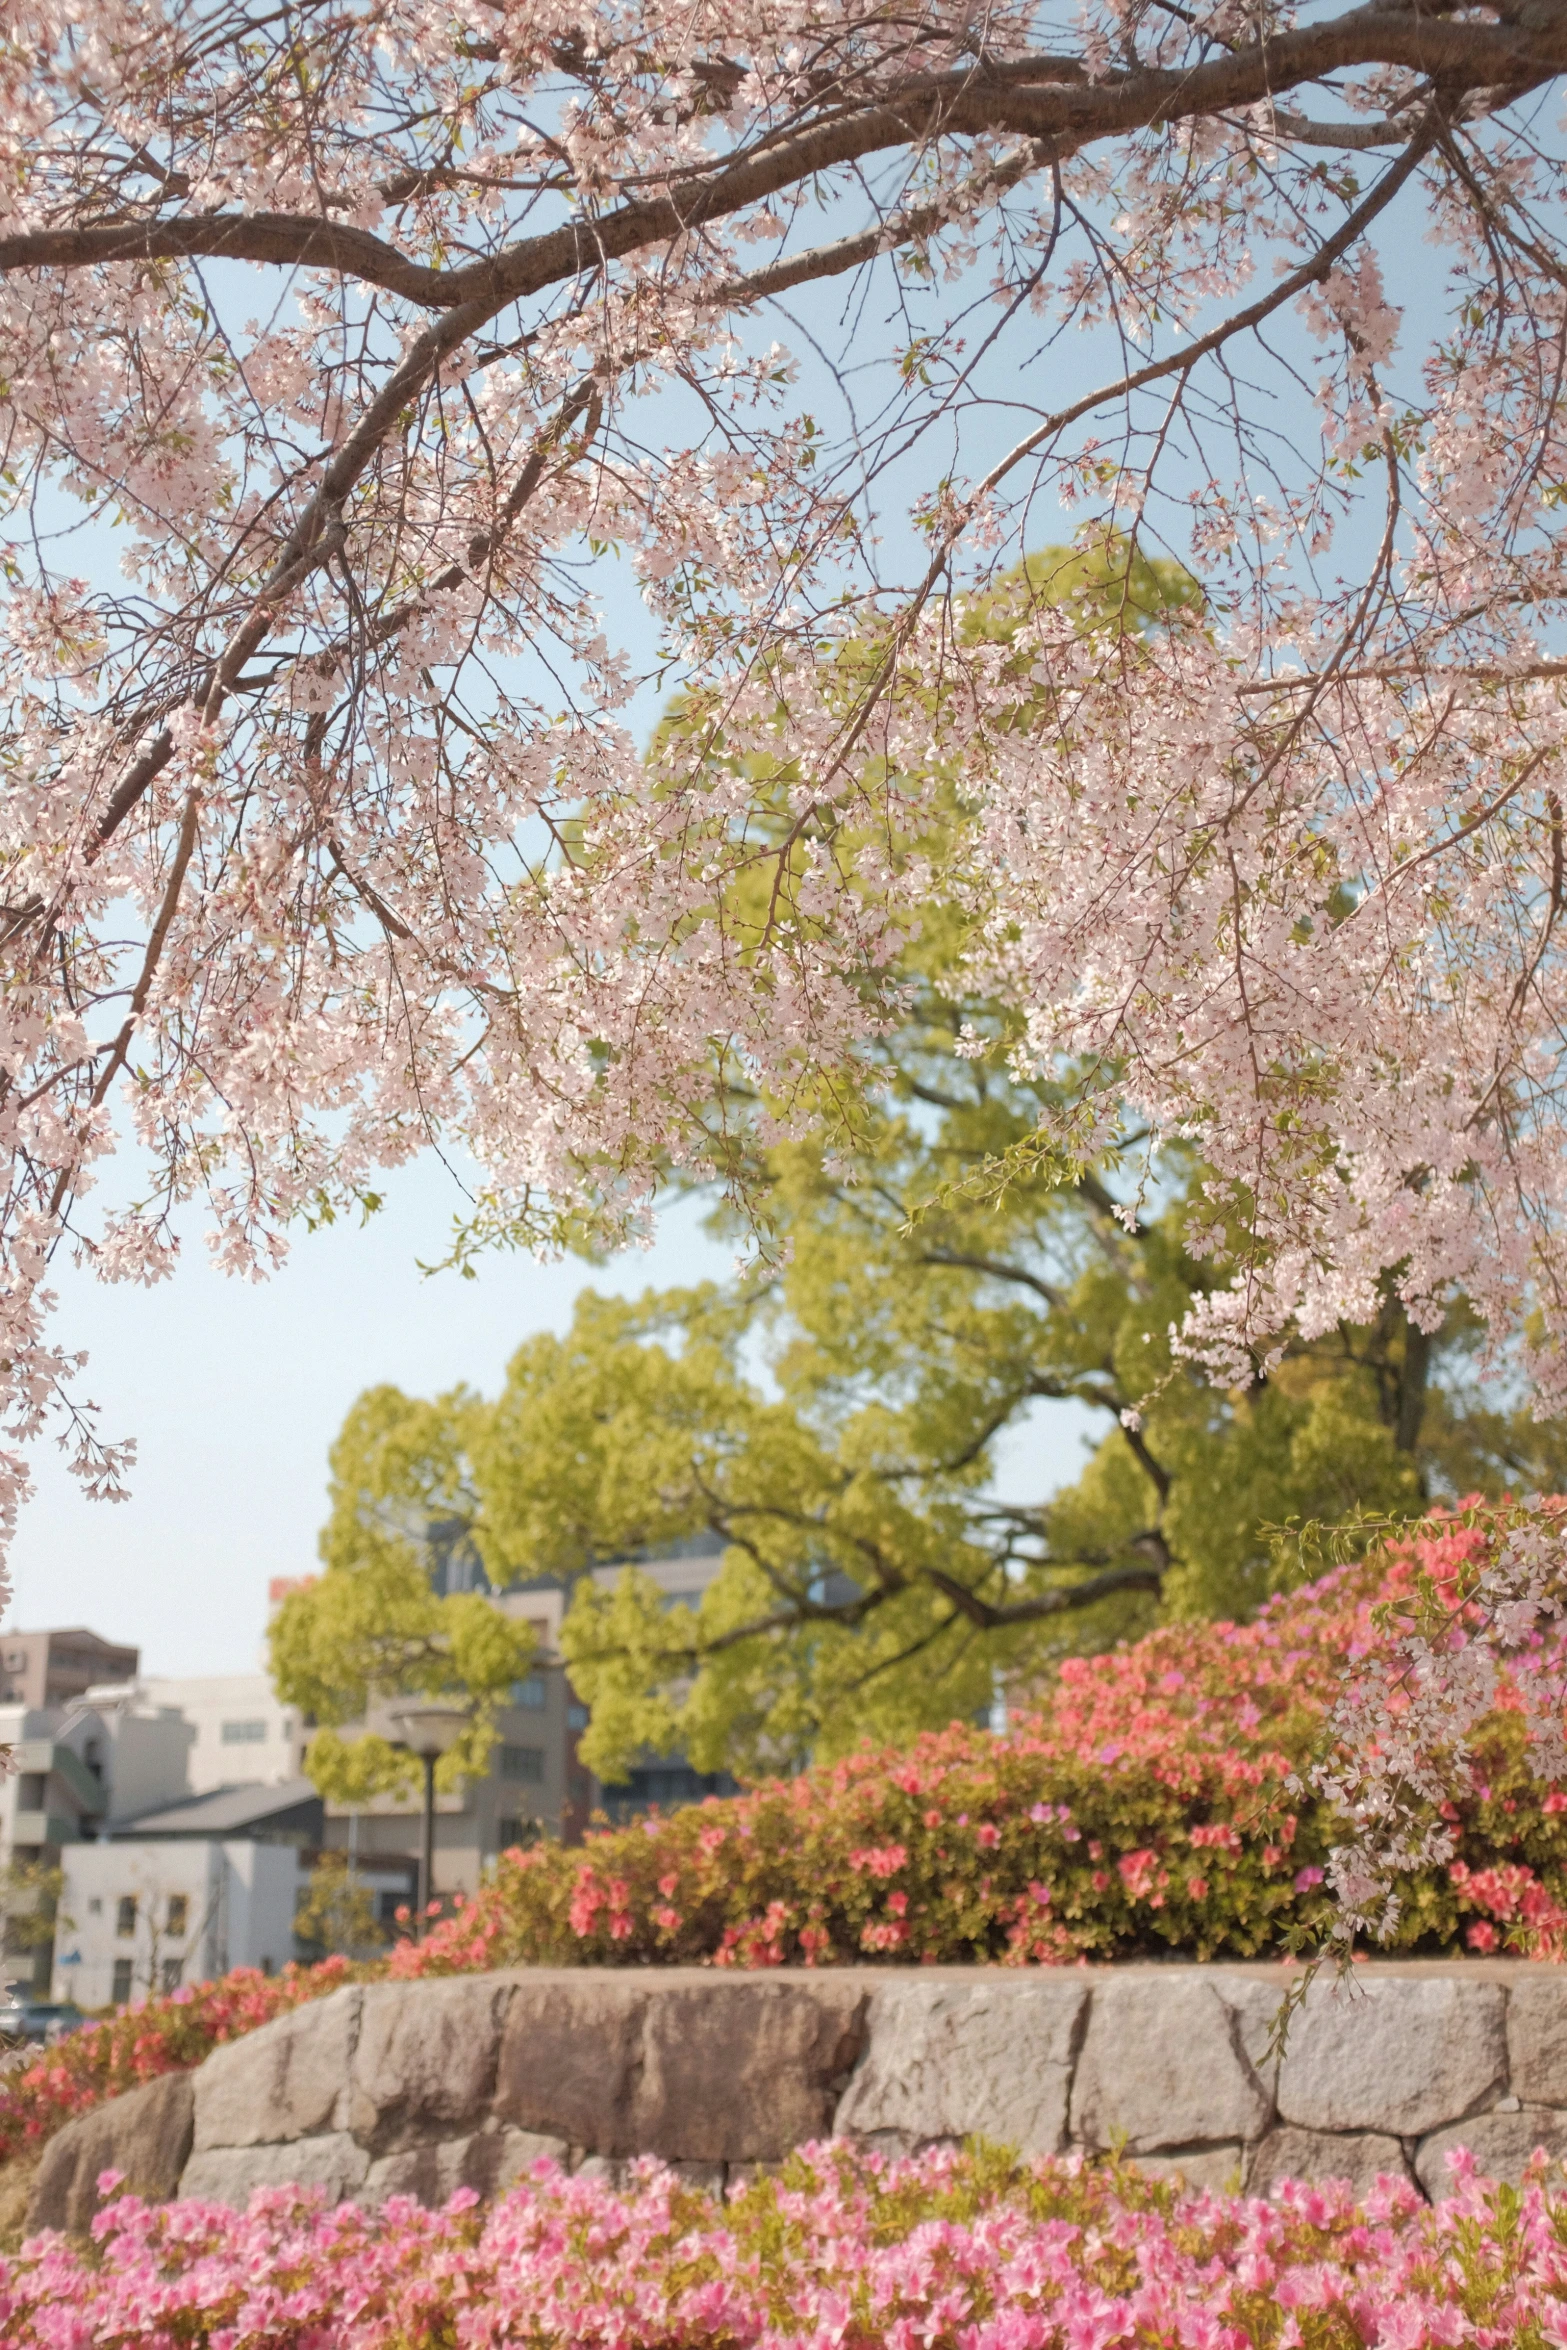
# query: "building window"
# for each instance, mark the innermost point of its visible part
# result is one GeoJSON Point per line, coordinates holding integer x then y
{"type": "Point", "coordinates": [122, 1982]}
{"type": "Point", "coordinates": [125, 1918]}
{"type": "Point", "coordinates": [512, 1834]}
{"type": "Point", "coordinates": [523, 1762]}
{"type": "Point", "coordinates": [576, 1716]}
{"type": "Point", "coordinates": [530, 1693]}
{"type": "Point", "coordinates": [95, 1906]}
{"type": "Point", "coordinates": [173, 1971]}
{"type": "Point", "coordinates": [30, 1791]}
{"type": "Point", "coordinates": [243, 1733]}
{"type": "Point", "coordinates": [179, 1912]}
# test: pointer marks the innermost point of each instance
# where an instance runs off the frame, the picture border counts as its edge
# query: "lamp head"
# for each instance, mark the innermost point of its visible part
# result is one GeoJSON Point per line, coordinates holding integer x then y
{"type": "Point", "coordinates": [429, 1728]}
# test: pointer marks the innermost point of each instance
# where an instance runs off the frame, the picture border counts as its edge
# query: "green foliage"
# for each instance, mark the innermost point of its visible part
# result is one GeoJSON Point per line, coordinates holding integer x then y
{"type": "Point", "coordinates": [372, 1627]}
{"type": "Point", "coordinates": [30, 1896]}
{"type": "Point", "coordinates": [963, 1239]}
{"type": "Point", "coordinates": [337, 1916]}
{"type": "Point", "coordinates": [834, 1420]}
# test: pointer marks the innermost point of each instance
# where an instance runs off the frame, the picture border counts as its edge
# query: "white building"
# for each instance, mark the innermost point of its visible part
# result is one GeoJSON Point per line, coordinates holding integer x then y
{"type": "Point", "coordinates": [149, 1915]}
{"type": "Point", "coordinates": [244, 1735]}
{"type": "Point", "coordinates": [140, 1750]}
{"type": "Point", "coordinates": [53, 1792]}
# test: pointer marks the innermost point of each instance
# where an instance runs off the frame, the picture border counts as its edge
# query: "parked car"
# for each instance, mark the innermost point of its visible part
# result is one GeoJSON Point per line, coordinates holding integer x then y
{"type": "Point", "coordinates": [42, 2020]}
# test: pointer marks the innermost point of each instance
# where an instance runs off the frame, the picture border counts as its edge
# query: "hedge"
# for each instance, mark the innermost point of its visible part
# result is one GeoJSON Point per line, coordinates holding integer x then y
{"type": "Point", "coordinates": [1152, 1806]}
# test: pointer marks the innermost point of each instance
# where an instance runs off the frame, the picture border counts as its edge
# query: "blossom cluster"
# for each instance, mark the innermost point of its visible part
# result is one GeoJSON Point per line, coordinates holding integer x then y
{"type": "Point", "coordinates": [841, 2251]}
{"type": "Point", "coordinates": [328, 830]}
{"type": "Point", "coordinates": [1163, 1799]}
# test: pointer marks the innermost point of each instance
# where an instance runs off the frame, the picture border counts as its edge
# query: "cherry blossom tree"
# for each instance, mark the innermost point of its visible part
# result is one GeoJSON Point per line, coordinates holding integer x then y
{"type": "Point", "coordinates": [357, 357]}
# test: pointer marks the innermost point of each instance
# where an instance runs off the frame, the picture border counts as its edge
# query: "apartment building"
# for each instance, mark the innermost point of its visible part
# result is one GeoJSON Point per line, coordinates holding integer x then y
{"type": "Point", "coordinates": [537, 1784]}
{"type": "Point", "coordinates": [243, 1733]}
{"type": "Point", "coordinates": [41, 1670]}
{"type": "Point", "coordinates": [154, 1790]}
{"type": "Point", "coordinates": [682, 1571]}
{"type": "Point", "coordinates": [79, 1767]}
{"type": "Point", "coordinates": [534, 1787]}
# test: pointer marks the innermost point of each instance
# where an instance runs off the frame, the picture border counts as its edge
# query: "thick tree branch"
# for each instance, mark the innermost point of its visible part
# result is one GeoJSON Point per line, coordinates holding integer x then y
{"type": "Point", "coordinates": [990, 1618]}
{"type": "Point", "coordinates": [1042, 98]}
{"type": "Point", "coordinates": [994, 1268]}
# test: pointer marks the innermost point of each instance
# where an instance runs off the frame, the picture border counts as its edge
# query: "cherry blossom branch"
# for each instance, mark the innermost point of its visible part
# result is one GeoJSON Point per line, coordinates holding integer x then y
{"type": "Point", "coordinates": [1042, 97]}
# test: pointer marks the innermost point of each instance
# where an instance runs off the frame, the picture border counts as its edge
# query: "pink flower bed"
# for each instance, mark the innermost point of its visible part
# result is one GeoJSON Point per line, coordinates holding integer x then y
{"type": "Point", "coordinates": [842, 2252]}
{"type": "Point", "coordinates": [1150, 1806]}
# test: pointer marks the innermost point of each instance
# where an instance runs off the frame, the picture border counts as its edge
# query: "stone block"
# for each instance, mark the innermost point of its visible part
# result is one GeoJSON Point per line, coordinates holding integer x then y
{"type": "Point", "coordinates": [1359, 2157]}
{"type": "Point", "coordinates": [1501, 2144]}
{"type": "Point", "coordinates": [426, 2058]}
{"type": "Point", "coordinates": [503, 2158]}
{"type": "Point", "coordinates": [1206, 2169]}
{"type": "Point", "coordinates": [1255, 2007]}
{"type": "Point", "coordinates": [957, 2060]}
{"type": "Point", "coordinates": [704, 2178]}
{"type": "Point", "coordinates": [1537, 2036]}
{"type": "Point", "coordinates": [1162, 2067]}
{"type": "Point", "coordinates": [570, 2051]}
{"type": "Point", "coordinates": [608, 2169]}
{"type": "Point", "coordinates": [145, 2134]}
{"type": "Point", "coordinates": [287, 2080]}
{"type": "Point", "coordinates": [741, 2068]}
{"type": "Point", "coordinates": [1398, 2054]}
{"type": "Point", "coordinates": [231, 2174]}
{"type": "Point", "coordinates": [489, 2161]}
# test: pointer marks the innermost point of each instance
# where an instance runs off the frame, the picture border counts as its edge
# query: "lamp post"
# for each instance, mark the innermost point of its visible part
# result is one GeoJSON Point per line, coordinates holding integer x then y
{"type": "Point", "coordinates": [429, 1730]}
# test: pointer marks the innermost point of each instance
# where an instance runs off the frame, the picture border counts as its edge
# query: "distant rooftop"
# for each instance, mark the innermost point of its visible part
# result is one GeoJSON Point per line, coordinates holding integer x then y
{"type": "Point", "coordinates": [287, 1812]}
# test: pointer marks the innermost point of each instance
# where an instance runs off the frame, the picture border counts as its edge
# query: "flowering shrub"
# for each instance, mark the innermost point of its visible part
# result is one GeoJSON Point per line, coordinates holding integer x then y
{"type": "Point", "coordinates": [1156, 1803]}
{"type": "Point", "coordinates": [844, 2251]}
{"type": "Point", "coordinates": [136, 2044]}
{"type": "Point", "coordinates": [1162, 1801]}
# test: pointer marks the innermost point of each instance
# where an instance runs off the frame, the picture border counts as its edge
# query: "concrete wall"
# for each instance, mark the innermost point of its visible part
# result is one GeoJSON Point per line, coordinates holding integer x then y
{"type": "Point", "coordinates": [423, 2087]}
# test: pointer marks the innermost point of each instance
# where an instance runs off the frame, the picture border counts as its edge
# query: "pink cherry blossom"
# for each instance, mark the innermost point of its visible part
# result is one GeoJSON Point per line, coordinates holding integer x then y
{"type": "Point", "coordinates": [353, 352]}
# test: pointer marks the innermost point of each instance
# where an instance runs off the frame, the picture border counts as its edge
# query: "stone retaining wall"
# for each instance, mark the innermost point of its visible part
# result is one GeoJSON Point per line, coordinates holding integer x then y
{"type": "Point", "coordinates": [423, 2087]}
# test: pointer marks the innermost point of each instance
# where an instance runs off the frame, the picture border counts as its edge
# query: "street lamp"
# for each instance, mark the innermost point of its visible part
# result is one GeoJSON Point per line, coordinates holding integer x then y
{"type": "Point", "coordinates": [429, 1730]}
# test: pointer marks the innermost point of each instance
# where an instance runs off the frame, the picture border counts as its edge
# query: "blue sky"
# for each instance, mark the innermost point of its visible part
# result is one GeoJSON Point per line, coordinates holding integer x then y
{"type": "Point", "coordinates": [234, 1391]}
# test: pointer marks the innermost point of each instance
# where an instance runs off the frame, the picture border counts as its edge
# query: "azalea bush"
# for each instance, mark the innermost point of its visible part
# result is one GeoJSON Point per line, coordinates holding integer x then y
{"type": "Point", "coordinates": [1162, 1800]}
{"type": "Point", "coordinates": [843, 2251]}
{"type": "Point", "coordinates": [136, 2044]}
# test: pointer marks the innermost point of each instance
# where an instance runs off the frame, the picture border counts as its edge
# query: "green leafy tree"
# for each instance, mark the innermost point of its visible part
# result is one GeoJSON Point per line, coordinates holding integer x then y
{"type": "Point", "coordinates": [835, 1418]}
{"type": "Point", "coordinates": [31, 1892]}
{"type": "Point", "coordinates": [337, 1914]}
{"type": "Point", "coordinates": [929, 1277]}
{"type": "Point", "coordinates": [373, 1627]}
